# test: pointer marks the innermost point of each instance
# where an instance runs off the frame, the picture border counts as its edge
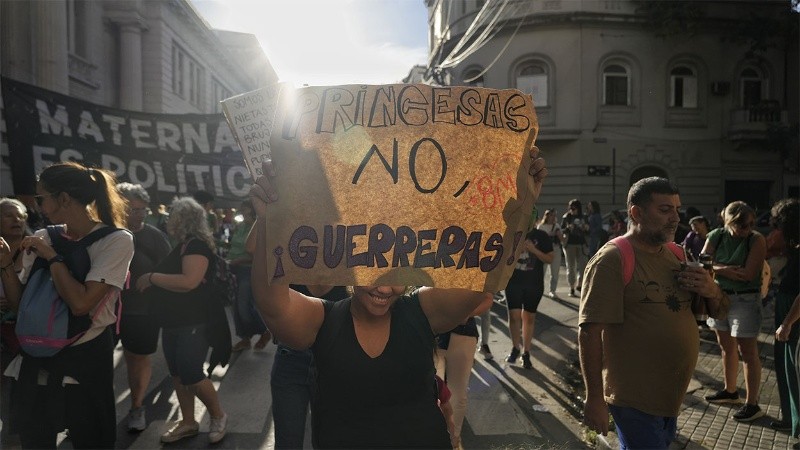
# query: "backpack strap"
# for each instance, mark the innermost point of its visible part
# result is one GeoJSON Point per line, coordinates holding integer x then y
{"type": "Point", "coordinates": [628, 257]}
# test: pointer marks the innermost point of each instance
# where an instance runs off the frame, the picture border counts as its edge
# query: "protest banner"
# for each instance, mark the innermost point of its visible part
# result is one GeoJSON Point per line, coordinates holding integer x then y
{"type": "Point", "coordinates": [168, 154]}
{"type": "Point", "coordinates": [399, 185]}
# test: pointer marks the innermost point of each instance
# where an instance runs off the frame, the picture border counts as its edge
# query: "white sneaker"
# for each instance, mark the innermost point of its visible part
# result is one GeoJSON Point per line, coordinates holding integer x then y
{"type": "Point", "coordinates": [136, 420]}
{"type": "Point", "coordinates": [179, 431]}
{"type": "Point", "coordinates": [217, 429]}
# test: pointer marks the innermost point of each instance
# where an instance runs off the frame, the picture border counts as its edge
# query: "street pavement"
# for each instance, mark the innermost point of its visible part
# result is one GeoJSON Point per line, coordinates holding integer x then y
{"type": "Point", "coordinates": [509, 407]}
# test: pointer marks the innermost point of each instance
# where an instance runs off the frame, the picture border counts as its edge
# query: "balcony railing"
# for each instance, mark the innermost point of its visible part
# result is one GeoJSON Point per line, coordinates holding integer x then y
{"type": "Point", "coordinates": [754, 122]}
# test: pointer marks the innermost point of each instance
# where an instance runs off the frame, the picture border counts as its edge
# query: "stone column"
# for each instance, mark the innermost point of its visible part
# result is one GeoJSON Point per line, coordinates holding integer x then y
{"type": "Point", "coordinates": [50, 53]}
{"type": "Point", "coordinates": [130, 70]}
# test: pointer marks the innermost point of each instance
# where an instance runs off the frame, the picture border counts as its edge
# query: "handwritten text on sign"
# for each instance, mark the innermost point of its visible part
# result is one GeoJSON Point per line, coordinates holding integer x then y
{"type": "Point", "coordinates": [399, 184]}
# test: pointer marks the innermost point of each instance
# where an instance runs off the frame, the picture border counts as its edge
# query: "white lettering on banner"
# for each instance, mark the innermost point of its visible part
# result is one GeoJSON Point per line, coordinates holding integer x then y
{"type": "Point", "coordinates": [192, 137]}
{"type": "Point", "coordinates": [114, 123]}
{"type": "Point", "coordinates": [114, 164]}
{"type": "Point", "coordinates": [161, 182]}
{"type": "Point", "coordinates": [133, 173]}
{"type": "Point", "coordinates": [90, 127]}
{"type": "Point", "coordinates": [145, 134]}
{"type": "Point", "coordinates": [56, 124]}
{"type": "Point", "coordinates": [138, 135]}
{"type": "Point", "coordinates": [168, 136]}
{"type": "Point", "coordinates": [233, 179]}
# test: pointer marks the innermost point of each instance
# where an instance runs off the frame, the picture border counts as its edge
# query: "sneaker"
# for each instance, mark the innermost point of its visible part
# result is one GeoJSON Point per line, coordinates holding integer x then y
{"type": "Point", "coordinates": [526, 361]}
{"type": "Point", "coordinates": [244, 344]}
{"type": "Point", "coordinates": [551, 294]}
{"type": "Point", "coordinates": [723, 396]}
{"type": "Point", "coordinates": [136, 420]}
{"type": "Point", "coordinates": [748, 413]}
{"type": "Point", "coordinates": [487, 354]}
{"type": "Point", "coordinates": [780, 426]}
{"type": "Point", "coordinates": [512, 357]}
{"type": "Point", "coordinates": [217, 429]}
{"type": "Point", "coordinates": [572, 293]}
{"type": "Point", "coordinates": [179, 431]}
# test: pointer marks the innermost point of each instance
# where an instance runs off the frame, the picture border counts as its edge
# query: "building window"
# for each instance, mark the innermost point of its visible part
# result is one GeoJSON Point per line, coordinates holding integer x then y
{"type": "Point", "coordinates": [473, 77]}
{"type": "Point", "coordinates": [751, 87]}
{"type": "Point", "coordinates": [683, 87]}
{"type": "Point", "coordinates": [616, 85]}
{"type": "Point", "coordinates": [76, 26]}
{"type": "Point", "coordinates": [177, 71]}
{"type": "Point", "coordinates": [533, 79]}
{"type": "Point", "coordinates": [187, 76]}
{"type": "Point", "coordinates": [220, 93]}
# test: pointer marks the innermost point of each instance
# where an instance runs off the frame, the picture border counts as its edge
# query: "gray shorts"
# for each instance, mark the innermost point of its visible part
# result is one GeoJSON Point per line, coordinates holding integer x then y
{"type": "Point", "coordinates": [744, 316]}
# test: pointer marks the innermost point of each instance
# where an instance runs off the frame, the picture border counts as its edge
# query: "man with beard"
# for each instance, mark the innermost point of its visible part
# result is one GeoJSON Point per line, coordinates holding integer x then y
{"type": "Point", "coordinates": [637, 356]}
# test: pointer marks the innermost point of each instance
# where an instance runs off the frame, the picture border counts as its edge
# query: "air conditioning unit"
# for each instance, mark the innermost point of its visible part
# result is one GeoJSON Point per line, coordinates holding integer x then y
{"type": "Point", "coordinates": [720, 87]}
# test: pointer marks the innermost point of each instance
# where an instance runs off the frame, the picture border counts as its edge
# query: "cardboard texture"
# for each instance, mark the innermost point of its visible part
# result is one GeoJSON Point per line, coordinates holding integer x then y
{"type": "Point", "coordinates": [398, 185]}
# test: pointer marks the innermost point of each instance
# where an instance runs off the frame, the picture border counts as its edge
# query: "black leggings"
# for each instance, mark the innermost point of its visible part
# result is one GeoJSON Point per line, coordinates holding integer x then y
{"type": "Point", "coordinates": [89, 407]}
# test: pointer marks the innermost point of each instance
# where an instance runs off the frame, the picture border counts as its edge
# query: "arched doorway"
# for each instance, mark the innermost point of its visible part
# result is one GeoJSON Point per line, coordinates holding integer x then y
{"type": "Point", "coordinates": [645, 172]}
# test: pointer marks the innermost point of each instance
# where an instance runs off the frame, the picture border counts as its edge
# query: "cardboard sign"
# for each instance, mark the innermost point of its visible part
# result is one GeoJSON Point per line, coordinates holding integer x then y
{"type": "Point", "coordinates": [399, 185]}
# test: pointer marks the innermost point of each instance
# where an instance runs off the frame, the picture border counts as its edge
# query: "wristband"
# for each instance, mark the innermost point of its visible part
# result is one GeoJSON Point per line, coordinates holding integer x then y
{"type": "Point", "coordinates": [55, 259]}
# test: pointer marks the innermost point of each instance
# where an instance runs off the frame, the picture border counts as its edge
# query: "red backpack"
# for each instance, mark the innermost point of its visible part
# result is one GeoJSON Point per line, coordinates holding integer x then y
{"type": "Point", "coordinates": [628, 257]}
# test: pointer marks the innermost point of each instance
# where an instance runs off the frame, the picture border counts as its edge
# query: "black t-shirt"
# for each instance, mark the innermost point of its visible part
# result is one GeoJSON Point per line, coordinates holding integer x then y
{"type": "Point", "coordinates": [386, 401]}
{"type": "Point", "coordinates": [533, 274]}
{"type": "Point", "coordinates": [150, 247]}
{"type": "Point", "coordinates": [576, 235]}
{"type": "Point", "coordinates": [180, 309]}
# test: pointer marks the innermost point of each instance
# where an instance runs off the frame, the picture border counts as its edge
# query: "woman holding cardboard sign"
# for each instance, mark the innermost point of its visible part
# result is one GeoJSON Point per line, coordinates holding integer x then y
{"type": "Point", "coordinates": [374, 351]}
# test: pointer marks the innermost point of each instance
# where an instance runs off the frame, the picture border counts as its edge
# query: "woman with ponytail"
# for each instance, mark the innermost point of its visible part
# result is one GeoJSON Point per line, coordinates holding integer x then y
{"type": "Point", "coordinates": [75, 387]}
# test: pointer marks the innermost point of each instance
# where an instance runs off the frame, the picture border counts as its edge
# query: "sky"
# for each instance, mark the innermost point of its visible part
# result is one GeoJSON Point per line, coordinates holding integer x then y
{"type": "Point", "coordinates": [328, 42]}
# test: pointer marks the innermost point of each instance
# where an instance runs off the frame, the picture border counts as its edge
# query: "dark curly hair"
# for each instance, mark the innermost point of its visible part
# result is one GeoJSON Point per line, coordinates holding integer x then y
{"type": "Point", "coordinates": [786, 217]}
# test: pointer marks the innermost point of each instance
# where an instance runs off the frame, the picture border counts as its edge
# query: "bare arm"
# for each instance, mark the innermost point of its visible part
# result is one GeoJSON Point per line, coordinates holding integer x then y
{"type": "Point", "coordinates": [446, 308]}
{"type": "Point", "coordinates": [292, 317]}
{"type": "Point", "coordinates": [782, 333]}
{"type": "Point", "coordinates": [193, 270]}
{"type": "Point", "coordinates": [80, 297]}
{"type": "Point", "coordinates": [590, 351]}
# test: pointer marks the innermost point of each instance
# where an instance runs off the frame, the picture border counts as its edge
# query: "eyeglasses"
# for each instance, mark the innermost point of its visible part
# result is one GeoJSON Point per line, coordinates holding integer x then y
{"type": "Point", "coordinates": [40, 198]}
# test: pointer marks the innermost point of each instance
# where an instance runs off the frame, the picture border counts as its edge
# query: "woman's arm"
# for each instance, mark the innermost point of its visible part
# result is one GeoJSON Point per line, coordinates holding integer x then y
{"type": "Point", "coordinates": [193, 270]}
{"type": "Point", "coordinates": [782, 333]}
{"type": "Point", "coordinates": [292, 317]}
{"type": "Point", "coordinates": [446, 308]}
{"type": "Point", "coordinates": [8, 276]}
{"type": "Point", "coordinates": [80, 297]}
{"type": "Point", "coordinates": [755, 258]}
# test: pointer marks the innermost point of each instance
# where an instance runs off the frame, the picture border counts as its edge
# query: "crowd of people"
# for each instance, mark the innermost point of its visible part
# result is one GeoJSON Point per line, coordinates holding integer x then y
{"type": "Point", "coordinates": [339, 347]}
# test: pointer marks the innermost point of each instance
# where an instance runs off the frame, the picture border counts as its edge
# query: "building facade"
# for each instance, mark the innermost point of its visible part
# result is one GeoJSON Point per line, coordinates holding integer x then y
{"type": "Point", "coordinates": [151, 56]}
{"type": "Point", "coordinates": [698, 92]}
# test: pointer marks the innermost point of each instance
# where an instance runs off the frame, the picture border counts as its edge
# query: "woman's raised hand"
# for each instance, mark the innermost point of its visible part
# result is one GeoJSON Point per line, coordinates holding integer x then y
{"type": "Point", "coordinates": [263, 192]}
{"type": "Point", "coordinates": [537, 171]}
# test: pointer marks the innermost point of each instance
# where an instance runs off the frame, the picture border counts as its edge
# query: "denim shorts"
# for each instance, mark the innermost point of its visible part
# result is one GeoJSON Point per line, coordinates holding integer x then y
{"type": "Point", "coordinates": [744, 316]}
{"type": "Point", "coordinates": [185, 349]}
{"type": "Point", "coordinates": [637, 429]}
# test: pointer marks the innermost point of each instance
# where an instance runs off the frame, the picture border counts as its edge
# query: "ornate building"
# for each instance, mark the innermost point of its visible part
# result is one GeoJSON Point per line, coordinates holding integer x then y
{"type": "Point", "coordinates": [701, 92]}
{"type": "Point", "coordinates": [151, 56]}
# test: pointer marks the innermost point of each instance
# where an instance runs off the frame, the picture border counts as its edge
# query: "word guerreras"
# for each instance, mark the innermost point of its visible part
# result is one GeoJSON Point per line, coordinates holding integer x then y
{"type": "Point", "coordinates": [453, 247]}
{"type": "Point", "coordinates": [341, 108]}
